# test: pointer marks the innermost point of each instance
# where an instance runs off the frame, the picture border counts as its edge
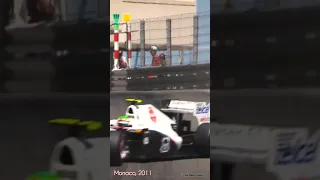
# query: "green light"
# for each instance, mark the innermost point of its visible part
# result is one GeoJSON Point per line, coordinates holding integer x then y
{"type": "Point", "coordinates": [116, 18]}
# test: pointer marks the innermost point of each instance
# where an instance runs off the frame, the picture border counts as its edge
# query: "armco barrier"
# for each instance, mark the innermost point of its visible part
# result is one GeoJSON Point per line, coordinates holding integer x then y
{"type": "Point", "coordinates": [163, 78]}
{"type": "Point", "coordinates": [118, 81]}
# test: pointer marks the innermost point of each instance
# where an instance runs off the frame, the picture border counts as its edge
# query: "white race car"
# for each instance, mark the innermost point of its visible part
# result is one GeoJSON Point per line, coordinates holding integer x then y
{"type": "Point", "coordinates": [148, 132]}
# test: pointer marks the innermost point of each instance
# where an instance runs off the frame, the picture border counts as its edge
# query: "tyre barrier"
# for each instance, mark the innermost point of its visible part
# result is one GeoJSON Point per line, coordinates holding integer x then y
{"type": "Point", "coordinates": [118, 81]}
{"type": "Point", "coordinates": [162, 78]}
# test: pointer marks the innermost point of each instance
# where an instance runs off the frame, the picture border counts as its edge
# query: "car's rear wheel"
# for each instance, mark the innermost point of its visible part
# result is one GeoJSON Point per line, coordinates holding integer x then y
{"type": "Point", "coordinates": [117, 148]}
{"type": "Point", "coordinates": [202, 140]}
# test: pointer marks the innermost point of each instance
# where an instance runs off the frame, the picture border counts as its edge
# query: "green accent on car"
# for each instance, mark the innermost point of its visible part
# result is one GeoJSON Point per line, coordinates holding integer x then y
{"type": "Point", "coordinates": [123, 117]}
{"type": "Point", "coordinates": [43, 176]}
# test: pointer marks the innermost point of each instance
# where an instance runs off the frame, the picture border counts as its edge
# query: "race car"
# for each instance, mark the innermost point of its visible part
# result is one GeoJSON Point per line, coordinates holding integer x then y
{"type": "Point", "coordinates": [148, 132]}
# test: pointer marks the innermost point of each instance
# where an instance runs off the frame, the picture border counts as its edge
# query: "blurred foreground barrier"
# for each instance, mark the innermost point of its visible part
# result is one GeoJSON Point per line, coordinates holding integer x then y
{"type": "Point", "coordinates": [72, 73]}
{"type": "Point", "coordinates": [264, 56]}
{"type": "Point", "coordinates": [163, 78]}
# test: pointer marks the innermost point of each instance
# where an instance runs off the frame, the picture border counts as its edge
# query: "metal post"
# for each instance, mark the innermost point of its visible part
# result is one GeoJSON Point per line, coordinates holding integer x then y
{"type": "Point", "coordinates": [129, 43]}
{"type": "Point", "coordinates": [195, 39]}
{"type": "Point", "coordinates": [142, 44]}
{"type": "Point", "coordinates": [181, 56]}
{"type": "Point", "coordinates": [169, 43]}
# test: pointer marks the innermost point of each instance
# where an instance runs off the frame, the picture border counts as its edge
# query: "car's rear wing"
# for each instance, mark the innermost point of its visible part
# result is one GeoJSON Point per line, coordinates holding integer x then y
{"type": "Point", "coordinates": [201, 110]}
{"type": "Point", "coordinates": [171, 110]}
{"type": "Point", "coordinates": [177, 106]}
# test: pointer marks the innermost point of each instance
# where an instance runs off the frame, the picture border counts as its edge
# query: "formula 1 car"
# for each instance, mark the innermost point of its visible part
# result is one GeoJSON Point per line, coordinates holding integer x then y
{"type": "Point", "coordinates": [146, 132]}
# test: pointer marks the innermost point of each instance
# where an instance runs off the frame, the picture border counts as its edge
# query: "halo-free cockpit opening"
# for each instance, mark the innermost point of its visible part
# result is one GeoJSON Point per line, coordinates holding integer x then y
{"type": "Point", "coordinates": [66, 156]}
{"type": "Point", "coordinates": [131, 111]}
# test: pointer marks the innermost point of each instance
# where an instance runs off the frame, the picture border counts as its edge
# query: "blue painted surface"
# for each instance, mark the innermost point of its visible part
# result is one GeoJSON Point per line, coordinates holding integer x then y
{"type": "Point", "coordinates": [203, 12]}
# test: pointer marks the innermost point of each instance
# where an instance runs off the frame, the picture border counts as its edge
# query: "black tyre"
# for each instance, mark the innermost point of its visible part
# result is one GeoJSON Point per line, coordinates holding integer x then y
{"type": "Point", "coordinates": [117, 143]}
{"type": "Point", "coordinates": [202, 140]}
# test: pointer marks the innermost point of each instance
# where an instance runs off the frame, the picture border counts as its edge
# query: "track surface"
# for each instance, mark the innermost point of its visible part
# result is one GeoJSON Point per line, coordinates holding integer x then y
{"type": "Point", "coordinates": [161, 170]}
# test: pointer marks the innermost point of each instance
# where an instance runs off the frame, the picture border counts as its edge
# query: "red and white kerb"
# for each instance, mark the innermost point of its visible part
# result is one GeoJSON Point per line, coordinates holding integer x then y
{"type": "Point", "coordinates": [129, 44]}
{"type": "Point", "coordinates": [116, 48]}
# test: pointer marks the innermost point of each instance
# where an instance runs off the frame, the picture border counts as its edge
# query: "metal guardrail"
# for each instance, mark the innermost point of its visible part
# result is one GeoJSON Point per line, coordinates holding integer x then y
{"type": "Point", "coordinates": [162, 78]}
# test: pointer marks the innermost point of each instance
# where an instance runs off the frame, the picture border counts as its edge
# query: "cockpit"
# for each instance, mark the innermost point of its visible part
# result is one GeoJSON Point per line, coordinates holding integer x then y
{"type": "Point", "coordinates": [131, 112]}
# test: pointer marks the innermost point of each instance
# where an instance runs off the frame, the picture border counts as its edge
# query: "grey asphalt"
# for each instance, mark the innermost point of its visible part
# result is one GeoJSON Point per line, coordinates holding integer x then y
{"type": "Point", "coordinates": [168, 170]}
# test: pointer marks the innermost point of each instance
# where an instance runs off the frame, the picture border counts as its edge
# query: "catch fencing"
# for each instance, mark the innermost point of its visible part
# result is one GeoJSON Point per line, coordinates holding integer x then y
{"type": "Point", "coordinates": [184, 39]}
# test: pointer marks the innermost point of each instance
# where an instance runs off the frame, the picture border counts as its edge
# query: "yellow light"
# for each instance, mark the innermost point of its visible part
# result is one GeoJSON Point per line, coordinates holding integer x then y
{"type": "Point", "coordinates": [126, 18]}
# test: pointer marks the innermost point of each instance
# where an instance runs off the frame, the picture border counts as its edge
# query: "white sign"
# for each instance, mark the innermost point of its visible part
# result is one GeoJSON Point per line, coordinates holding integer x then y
{"type": "Point", "coordinates": [293, 155]}
{"type": "Point", "coordinates": [188, 105]}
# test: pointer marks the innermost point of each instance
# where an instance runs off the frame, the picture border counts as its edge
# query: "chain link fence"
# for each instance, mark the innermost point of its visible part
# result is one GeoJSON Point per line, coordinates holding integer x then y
{"type": "Point", "coordinates": [184, 39]}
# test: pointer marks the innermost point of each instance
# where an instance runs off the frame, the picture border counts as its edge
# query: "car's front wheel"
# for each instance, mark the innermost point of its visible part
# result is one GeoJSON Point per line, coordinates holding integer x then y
{"type": "Point", "coordinates": [117, 148]}
{"type": "Point", "coordinates": [202, 140]}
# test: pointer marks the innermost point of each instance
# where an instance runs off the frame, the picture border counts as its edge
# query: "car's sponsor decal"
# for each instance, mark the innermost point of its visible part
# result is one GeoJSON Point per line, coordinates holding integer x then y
{"type": "Point", "coordinates": [153, 116]}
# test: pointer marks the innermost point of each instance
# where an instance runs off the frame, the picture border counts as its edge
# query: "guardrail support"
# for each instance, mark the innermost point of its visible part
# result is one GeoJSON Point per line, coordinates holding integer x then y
{"type": "Point", "coordinates": [169, 42]}
{"type": "Point", "coordinates": [195, 39]}
{"type": "Point", "coordinates": [142, 44]}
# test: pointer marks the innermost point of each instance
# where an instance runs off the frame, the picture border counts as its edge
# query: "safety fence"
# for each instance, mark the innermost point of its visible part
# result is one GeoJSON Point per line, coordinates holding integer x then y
{"type": "Point", "coordinates": [162, 78]}
{"type": "Point", "coordinates": [280, 49]}
{"type": "Point", "coordinates": [184, 39]}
